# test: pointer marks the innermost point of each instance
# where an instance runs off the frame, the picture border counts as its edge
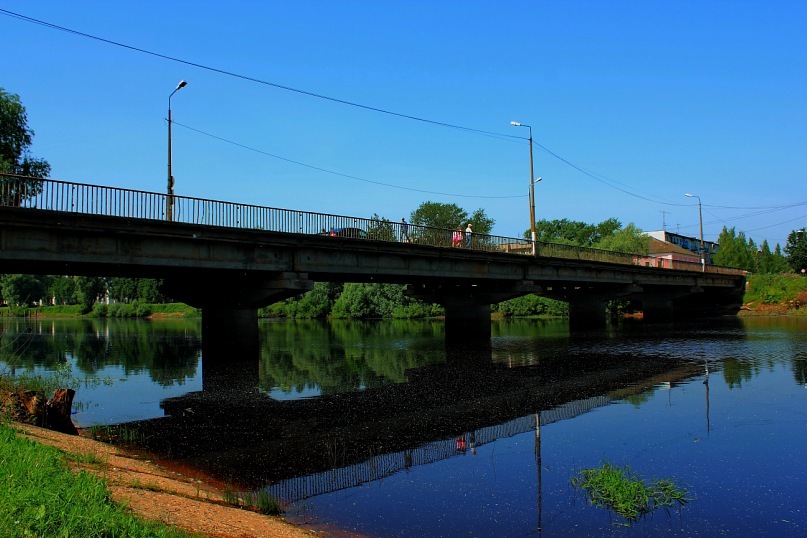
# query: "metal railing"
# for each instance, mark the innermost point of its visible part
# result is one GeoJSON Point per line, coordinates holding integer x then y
{"type": "Point", "coordinates": [55, 195]}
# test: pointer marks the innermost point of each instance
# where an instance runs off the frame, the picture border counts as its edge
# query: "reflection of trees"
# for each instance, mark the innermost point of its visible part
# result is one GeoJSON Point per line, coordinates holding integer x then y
{"type": "Point", "coordinates": [736, 371]}
{"type": "Point", "coordinates": [342, 356]}
{"type": "Point", "coordinates": [168, 351]}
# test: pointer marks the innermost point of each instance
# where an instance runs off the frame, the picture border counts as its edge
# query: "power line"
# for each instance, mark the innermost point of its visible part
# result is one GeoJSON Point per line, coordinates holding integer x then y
{"type": "Point", "coordinates": [597, 177]}
{"type": "Point", "coordinates": [325, 170]}
{"type": "Point", "coordinates": [253, 79]}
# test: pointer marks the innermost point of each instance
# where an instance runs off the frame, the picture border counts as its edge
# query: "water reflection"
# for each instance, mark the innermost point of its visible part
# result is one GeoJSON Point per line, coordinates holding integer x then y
{"type": "Point", "coordinates": [168, 351]}
{"type": "Point", "coordinates": [406, 434]}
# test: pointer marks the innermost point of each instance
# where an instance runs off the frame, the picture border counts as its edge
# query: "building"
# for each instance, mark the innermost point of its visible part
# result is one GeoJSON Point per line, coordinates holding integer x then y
{"type": "Point", "coordinates": [691, 244]}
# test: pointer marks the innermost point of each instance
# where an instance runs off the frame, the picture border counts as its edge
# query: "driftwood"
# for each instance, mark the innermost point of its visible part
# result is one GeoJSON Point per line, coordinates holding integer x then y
{"type": "Point", "coordinates": [29, 406]}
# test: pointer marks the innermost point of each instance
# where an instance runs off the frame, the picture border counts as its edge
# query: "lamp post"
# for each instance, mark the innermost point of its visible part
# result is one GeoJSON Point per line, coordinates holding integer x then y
{"type": "Point", "coordinates": [169, 201]}
{"type": "Point", "coordinates": [533, 181]}
{"type": "Point", "coordinates": [700, 218]}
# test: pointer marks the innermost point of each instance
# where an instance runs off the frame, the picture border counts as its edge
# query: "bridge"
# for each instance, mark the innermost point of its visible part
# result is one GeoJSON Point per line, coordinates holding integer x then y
{"type": "Point", "coordinates": [229, 259]}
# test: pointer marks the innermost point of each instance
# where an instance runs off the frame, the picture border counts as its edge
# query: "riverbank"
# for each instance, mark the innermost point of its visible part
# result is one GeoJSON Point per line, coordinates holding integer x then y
{"type": "Point", "coordinates": [155, 493]}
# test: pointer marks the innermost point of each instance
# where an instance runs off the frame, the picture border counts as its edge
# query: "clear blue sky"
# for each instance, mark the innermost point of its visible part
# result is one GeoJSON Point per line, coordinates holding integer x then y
{"type": "Point", "coordinates": [638, 102]}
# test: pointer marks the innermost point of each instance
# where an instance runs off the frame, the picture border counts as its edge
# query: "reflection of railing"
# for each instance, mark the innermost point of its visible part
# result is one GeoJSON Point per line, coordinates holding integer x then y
{"type": "Point", "coordinates": [377, 467]}
{"type": "Point", "coordinates": [53, 195]}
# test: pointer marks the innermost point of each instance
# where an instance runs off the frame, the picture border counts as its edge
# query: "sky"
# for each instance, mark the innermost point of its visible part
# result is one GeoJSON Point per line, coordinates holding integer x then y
{"type": "Point", "coordinates": [366, 108]}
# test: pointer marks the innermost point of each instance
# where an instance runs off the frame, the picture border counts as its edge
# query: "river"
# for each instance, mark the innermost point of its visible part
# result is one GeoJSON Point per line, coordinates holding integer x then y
{"type": "Point", "coordinates": [375, 429]}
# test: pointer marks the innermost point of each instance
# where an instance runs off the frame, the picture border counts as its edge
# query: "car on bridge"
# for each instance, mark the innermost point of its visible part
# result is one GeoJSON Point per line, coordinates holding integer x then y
{"type": "Point", "coordinates": [354, 233]}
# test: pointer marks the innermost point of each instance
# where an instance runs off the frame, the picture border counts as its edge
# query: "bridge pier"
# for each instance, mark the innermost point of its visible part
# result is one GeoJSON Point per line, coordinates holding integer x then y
{"type": "Point", "coordinates": [230, 310]}
{"type": "Point", "coordinates": [467, 305]}
{"type": "Point", "coordinates": [587, 313]}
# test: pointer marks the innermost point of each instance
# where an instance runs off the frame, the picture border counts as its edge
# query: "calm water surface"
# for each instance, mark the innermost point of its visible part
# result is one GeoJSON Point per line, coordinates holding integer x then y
{"type": "Point", "coordinates": [375, 429]}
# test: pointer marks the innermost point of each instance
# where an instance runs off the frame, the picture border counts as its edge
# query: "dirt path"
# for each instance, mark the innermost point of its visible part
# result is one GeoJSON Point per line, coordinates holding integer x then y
{"type": "Point", "coordinates": [156, 493]}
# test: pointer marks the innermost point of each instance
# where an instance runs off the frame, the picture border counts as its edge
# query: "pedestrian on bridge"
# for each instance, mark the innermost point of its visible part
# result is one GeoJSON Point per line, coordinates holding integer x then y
{"type": "Point", "coordinates": [468, 239]}
{"type": "Point", "coordinates": [456, 238]}
{"type": "Point", "coordinates": [404, 231]}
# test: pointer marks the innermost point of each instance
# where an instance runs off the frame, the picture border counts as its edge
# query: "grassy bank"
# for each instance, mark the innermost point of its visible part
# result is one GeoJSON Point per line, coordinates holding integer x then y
{"type": "Point", "coordinates": [114, 310]}
{"type": "Point", "coordinates": [776, 294]}
{"type": "Point", "coordinates": [41, 496]}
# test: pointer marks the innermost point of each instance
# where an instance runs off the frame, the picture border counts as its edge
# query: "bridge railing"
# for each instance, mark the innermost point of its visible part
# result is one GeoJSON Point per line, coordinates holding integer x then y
{"type": "Point", "coordinates": [55, 195]}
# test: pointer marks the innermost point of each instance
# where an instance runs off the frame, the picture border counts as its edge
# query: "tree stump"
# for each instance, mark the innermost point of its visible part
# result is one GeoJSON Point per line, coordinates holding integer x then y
{"type": "Point", "coordinates": [58, 411]}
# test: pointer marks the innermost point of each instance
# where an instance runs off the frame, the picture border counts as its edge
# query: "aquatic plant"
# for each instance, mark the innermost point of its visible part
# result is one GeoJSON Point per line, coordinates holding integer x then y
{"type": "Point", "coordinates": [621, 490]}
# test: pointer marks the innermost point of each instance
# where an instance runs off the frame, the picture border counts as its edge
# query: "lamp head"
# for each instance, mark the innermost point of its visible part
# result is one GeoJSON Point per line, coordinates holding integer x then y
{"type": "Point", "coordinates": [689, 195]}
{"type": "Point", "coordinates": [181, 84]}
{"type": "Point", "coordinates": [517, 124]}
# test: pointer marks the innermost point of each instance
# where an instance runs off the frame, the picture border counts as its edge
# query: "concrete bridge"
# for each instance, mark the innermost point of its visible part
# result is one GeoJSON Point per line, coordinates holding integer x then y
{"type": "Point", "coordinates": [230, 259]}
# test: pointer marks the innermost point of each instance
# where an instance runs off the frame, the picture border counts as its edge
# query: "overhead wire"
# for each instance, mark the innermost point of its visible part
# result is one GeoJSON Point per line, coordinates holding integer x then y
{"type": "Point", "coordinates": [340, 174]}
{"type": "Point", "coordinates": [606, 181]}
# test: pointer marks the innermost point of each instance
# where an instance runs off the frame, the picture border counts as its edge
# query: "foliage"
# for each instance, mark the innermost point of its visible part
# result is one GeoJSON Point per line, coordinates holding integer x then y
{"type": "Point", "coordinates": [89, 290]}
{"type": "Point", "coordinates": [449, 216]}
{"type": "Point", "coordinates": [42, 497]}
{"type": "Point", "coordinates": [735, 250]}
{"type": "Point", "coordinates": [532, 305]}
{"type": "Point", "coordinates": [773, 289]}
{"type": "Point", "coordinates": [620, 490]}
{"type": "Point", "coordinates": [768, 262]}
{"type": "Point", "coordinates": [630, 239]}
{"type": "Point", "coordinates": [796, 250]}
{"type": "Point", "coordinates": [23, 289]}
{"type": "Point", "coordinates": [15, 158]}
{"type": "Point", "coordinates": [570, 232]}
{"type": "Point", "coordinates": [381, 229]}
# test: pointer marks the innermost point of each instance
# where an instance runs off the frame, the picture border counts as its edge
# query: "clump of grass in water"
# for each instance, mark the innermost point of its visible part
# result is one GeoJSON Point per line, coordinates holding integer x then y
{"type": "Point", "coordinates": [260, 501]}
{"type": "Point", "coordinates": [620, 490]}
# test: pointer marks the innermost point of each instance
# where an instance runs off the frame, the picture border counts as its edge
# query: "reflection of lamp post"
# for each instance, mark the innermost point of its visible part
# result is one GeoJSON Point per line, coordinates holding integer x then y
{"type": "Point", "coordinates": [169, 201]}
{"type": "Point", "coordinates": [700, 217]}
{"type": "Point", "coordinates": [533, 181]}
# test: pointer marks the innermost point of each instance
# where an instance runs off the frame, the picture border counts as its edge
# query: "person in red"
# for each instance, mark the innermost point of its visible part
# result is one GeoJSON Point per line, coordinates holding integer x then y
{"type": "Point", "coordinates": [456, 238]}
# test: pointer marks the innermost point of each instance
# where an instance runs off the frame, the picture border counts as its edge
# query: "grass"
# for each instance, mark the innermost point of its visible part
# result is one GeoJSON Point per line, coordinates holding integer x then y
{"type": "Point", "coordinates": [620, 490]}
{"type": "Point", "coordinates": [261, 501]}
{"type": "Point", "coordinates": [41, 496]}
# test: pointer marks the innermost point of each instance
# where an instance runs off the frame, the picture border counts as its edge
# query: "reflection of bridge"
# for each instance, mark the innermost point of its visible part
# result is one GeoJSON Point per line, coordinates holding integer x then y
{"type": "Point", "coordinates": [381, 466]}
{"type": "Point", "coordinates": [352, 437]}
{"type": "Point", "coordinates": [229, 259]}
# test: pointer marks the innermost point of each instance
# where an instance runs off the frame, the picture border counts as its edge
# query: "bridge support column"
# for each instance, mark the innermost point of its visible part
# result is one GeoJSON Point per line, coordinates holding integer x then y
{"type": "Point", "coordinates": [467, 305]}
{"type": "Point", "coordinates": [230, 310]}
{"type": "Point", "coordinates": [466, 322]}
{"type": "Point", "coordinates": [587, 313]}
{"type": "Point", "coordinates": [657, 308]}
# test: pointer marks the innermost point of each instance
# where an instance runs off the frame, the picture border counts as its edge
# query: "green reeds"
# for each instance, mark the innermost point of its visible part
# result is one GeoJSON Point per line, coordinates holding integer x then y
{"type": "Point", "coordinates": [620, 490]}
{"type": "Point", "coordinates": [260, 501]}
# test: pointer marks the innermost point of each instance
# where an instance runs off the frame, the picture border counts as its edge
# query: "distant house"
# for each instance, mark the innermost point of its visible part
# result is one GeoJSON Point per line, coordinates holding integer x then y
{"type": "Point", "coordinates": [666, 255]}
{"type": "Point", "coordinates": [692, 244]}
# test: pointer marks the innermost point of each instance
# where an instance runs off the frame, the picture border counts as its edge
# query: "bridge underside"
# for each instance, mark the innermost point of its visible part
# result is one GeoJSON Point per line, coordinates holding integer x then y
{"type": "Point", "coordinates": [230, 273]}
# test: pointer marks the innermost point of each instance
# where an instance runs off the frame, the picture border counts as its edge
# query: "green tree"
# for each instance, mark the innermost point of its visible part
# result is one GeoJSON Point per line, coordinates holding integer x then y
{"type": "Point", "coordinates": [63, 289]}
{"type": "Point", "coordinates": [770, 262]}
{"type": "Point", "coordinates": [90, 289]}
{"type": "Point", "coordinates": [380, 228]}
{"type": "Point", "coordinates": [735, 250]}
{"type": "Point", "coordinates": [571, 232]}
{"type": "Point", "coordinates": [630, 239]}
{"type": "Point", "coordinates": [796, 250]}
{"type": "Point", "coordinates": [15, 158]}
{"type": "Point", "coordinates": [449, 216]}
{"type": "Point", "coordinates": [24, 289]}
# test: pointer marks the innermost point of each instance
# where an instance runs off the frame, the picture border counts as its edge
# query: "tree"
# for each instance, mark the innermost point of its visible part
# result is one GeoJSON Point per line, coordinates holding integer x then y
{"type": "Point", "coordinates": [735, 250]}
{"type": "Point", "coordinates": [796, 250]}
{"type": "Point", "coordinates": [15, 142]}
{"type": "Point", "coordinates": [630, 239]}
{"type": "Point", "coordinates": [449, 216]}
{"type": "Point", "coordinates": [24, 289]}
{"type": "Point", "coordinates": [572, 232]}
{"type": "Point", "coordinates": [380, 228]}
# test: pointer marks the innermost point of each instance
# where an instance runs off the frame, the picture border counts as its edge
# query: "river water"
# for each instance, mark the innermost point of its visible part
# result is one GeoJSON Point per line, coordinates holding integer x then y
{"type": "Point", "coordinates": [376, 429]}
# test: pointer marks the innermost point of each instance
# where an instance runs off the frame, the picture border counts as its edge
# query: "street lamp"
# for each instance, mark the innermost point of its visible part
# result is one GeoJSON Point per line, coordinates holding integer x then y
{"type": "Point", "coordinates": [700, 217]}
{"type": "Point", "coordinates": [533, 181]}
{"type": "Point", "coordinates": [169, 201]}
